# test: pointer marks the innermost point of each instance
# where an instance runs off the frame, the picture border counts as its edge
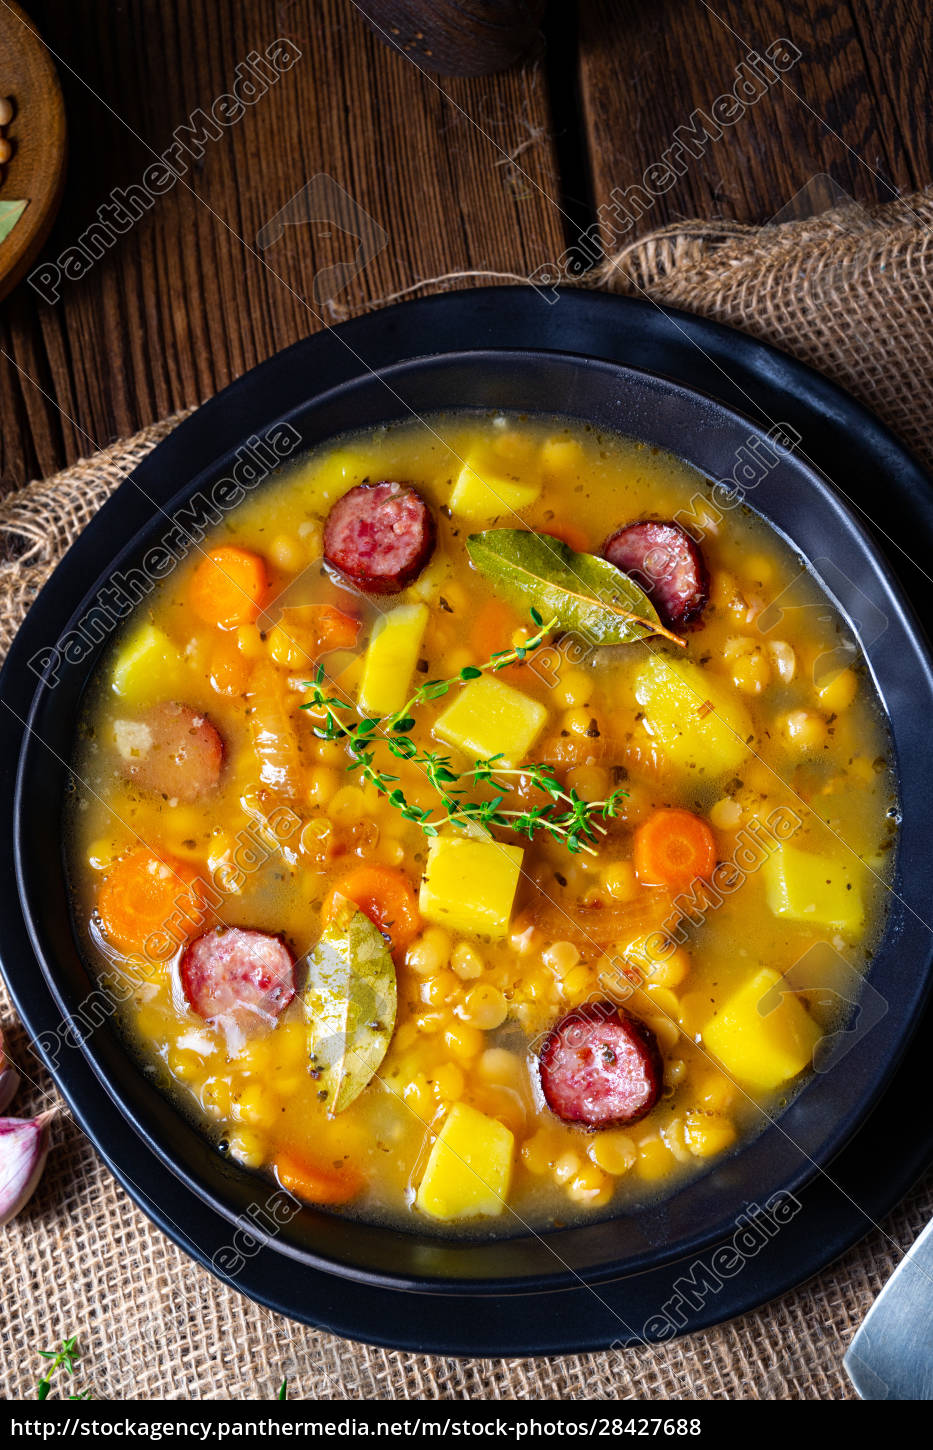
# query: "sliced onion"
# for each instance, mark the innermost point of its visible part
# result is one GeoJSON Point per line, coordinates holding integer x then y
{"type": "Point", "coordinates": [564, 919]}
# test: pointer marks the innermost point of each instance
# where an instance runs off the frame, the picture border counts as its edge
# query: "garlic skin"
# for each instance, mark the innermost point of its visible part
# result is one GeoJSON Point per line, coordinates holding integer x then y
{"type": "Point", "coordinates": [9, 1078]}
{"type": "Point", "coordinates": [24, 1147]}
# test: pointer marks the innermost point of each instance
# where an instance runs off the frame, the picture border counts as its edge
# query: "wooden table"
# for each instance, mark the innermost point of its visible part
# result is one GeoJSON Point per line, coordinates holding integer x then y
{"type": "Point", "coordinates": [499, 174]}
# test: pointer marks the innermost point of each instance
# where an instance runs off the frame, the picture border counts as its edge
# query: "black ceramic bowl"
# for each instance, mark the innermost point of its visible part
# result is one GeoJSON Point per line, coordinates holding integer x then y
{"type": "Point", "coordinates": [806, 511]}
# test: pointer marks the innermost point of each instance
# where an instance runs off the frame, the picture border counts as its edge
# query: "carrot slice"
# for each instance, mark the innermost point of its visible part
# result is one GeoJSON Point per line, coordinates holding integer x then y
{"type": "Point", "coordinates": [305, 632]}
{"type": "Point", "coordinates": [149, 903]}
{"type": "Point", "coordinates": [570, 535]}
{"type": "Point", "coordinates": [229, 587]}
{"type": "Point", "coordinates": [335, 629]}
{"type": "Point", "coordinates": [385, 895]}
{"type": "Point", "coordinates": [673, 848]}
{"type": "Point", "coordinates": [493, 627]}
{"type": "Point", "coordinates": [315, 1182]}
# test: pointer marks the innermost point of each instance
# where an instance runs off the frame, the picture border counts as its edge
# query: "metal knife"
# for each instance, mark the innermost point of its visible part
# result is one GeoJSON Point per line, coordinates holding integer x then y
{"type": "Point", "coordinates": [891, 1356]}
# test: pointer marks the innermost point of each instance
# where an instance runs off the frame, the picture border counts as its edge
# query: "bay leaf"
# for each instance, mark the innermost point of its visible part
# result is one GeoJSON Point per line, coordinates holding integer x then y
{"type": "Point", "coordinates": [10, 213]}
{"type": "Point", "coordinates": [350, 1002]}
{"type": "Point", "coordinates": [585, 594]}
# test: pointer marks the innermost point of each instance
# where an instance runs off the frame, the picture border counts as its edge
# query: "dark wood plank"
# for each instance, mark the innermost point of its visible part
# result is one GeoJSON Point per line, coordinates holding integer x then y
{"type": "Point", "coordinates": [180, 304]}
{"type": "Point", "coordinates": [856, 106]}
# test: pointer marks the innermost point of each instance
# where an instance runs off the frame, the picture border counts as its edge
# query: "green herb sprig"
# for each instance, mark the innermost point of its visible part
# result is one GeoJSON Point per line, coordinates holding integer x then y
{"type": "Point", "coordinates": [65, 1358]}
{"type": "Point", "coordinates": [564, 815]}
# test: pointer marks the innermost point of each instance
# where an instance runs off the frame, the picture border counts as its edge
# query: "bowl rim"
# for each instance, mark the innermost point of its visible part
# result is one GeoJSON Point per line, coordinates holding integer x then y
{"type": "Point", "coordinates": [473, 357]}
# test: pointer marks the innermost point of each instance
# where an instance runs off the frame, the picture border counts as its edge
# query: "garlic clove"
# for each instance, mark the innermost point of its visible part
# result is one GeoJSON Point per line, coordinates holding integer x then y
{"type": "Point", "coordinates": [24, 1147]}
{"type": "Point", "coordinates": [9, 1078]}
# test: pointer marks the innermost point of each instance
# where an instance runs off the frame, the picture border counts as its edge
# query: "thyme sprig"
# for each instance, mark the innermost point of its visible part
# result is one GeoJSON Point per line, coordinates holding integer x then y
{"type": "Point", "coordinates": [564, 815]}
{"type": "Point", "coordinates": [65, 1358]}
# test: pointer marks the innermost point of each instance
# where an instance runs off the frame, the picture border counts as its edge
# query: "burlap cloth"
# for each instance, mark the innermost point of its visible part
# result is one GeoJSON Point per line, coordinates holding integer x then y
{"type": "Point", "coordinates": [847, 292]}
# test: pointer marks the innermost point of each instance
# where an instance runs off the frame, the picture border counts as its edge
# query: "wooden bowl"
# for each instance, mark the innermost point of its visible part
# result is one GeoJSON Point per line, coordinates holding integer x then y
{"type": "Point", "coordinates": [36, 170]}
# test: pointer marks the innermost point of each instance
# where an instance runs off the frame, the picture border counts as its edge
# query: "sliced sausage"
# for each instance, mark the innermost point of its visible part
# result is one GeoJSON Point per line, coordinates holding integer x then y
{"type": "Point", "coordinates": [235, 972]}
{"type": "Point", "coordinates": [668, 565]}
{"type": "Point", "coordinates": [599, 1066]}
{"type": "Point", "coordinates": [380, 535]}
{"type": "Point", "coordinates": [170, 750]}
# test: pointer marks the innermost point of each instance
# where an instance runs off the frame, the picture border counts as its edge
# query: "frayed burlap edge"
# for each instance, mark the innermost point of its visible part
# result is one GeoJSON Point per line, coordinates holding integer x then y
{"type": "Point", "coordinates": [850, 292]}
{"type": "Point", "coordinates": [40, 522]}
{"type": "Point", "coordinates": [82, 1259]}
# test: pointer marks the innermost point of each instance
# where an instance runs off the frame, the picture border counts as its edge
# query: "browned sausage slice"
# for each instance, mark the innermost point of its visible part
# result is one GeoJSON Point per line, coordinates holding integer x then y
{"type": "Point", "coordinates": [667, 564]}
{"type": "Point", "coordinates": [380, 535]}
{"type": "Point", "coordinates": [170, 750]}
{"type": "Point", "coordinates": [240, 973]}
{"type": "Point", "coordinates": [601, 1067]}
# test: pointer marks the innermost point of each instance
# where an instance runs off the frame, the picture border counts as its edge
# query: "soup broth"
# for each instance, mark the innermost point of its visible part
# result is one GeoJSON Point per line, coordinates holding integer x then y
{"type": "Point", "coordinates": [576, 1029]}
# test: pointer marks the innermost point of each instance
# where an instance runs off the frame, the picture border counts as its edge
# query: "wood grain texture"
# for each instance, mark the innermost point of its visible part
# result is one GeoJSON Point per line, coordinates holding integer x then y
{"type": "Point", "coordinates": [457, 37]}
{"type": "Point", "coordinates": [184, 301]}
{"type": "Point", "coordinates": [856, 106]}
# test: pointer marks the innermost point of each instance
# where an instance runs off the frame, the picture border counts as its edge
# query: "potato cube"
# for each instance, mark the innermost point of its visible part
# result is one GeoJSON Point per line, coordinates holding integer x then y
{"type": "Point", "coordinates": [561, 456]}
{"type": "Point", "coordinates": [697, 719]}
{"type": "Point", "coordinates": [815, 889]}
{"type": "Point", "coordinates": [391, 658]}
{"type": "Point", "coordinates": [469, 885]}
{"type": "Point", "coordinates": [470, 1167]}
{"type": "Point", "coordinates": [484, 498]}
{"type": "Point", "coordinates": [488, 717]}
{"type": "Point", "coordinates": [332, 476]}
{"type": "Point", "coordinates": [147, 666]}
{"type": "Point", "coordinates": [761, 1044]}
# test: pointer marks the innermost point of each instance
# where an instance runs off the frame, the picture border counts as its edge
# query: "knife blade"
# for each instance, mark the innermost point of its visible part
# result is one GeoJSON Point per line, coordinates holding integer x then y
{"type": "Point", "coordinates": [891, 1356]}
